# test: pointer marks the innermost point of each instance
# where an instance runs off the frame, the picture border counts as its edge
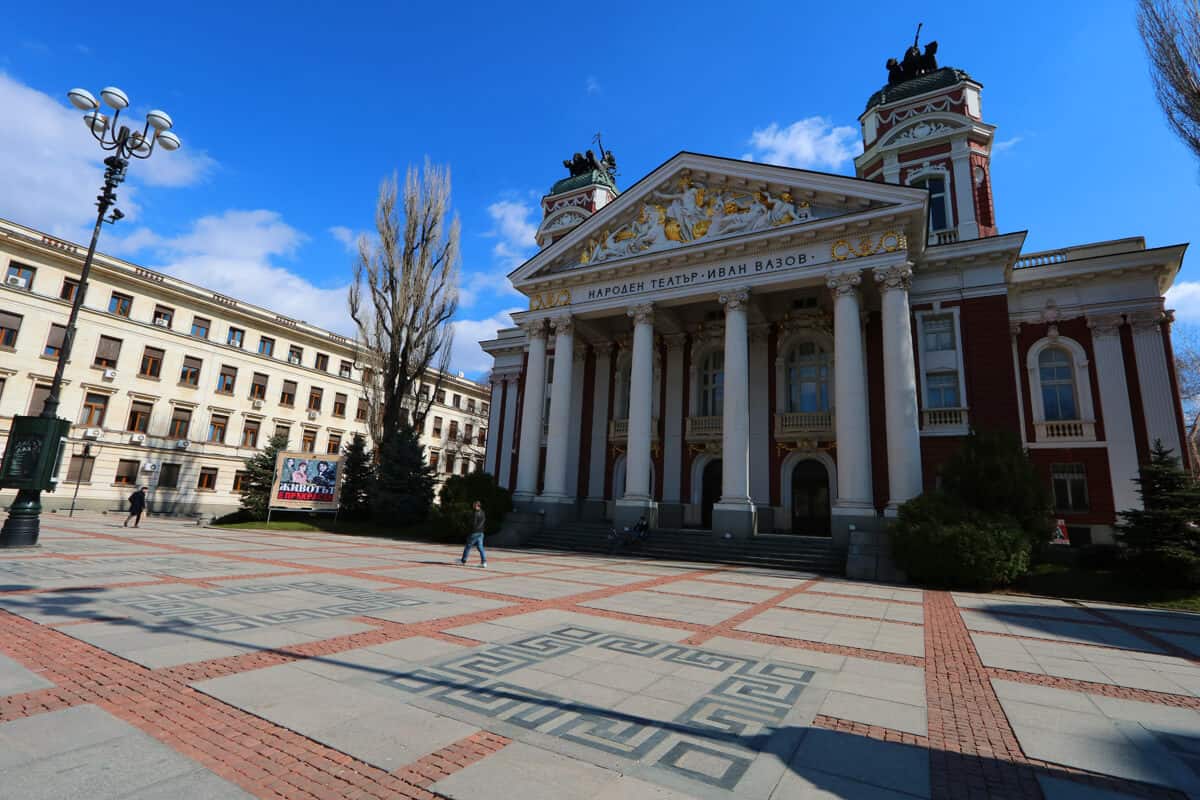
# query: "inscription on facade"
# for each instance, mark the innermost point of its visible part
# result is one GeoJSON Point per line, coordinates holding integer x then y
{"type": "Point", "coordinates": [715, 274]}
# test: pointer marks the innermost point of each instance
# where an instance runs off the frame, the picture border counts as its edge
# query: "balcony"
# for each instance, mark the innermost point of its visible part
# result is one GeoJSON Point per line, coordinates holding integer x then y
{"type": "Point", "coordinates": [618, 430]}
{"type": "Point", "coordinates": [704, 429]}
{"type": "Point", "coordinates": [1065, 431]}
{"type": "Point", "coordinates": [952, 421]}
{"type": "Point", "coordinates": [945, 237]}
{"type": "Point", "coordinates": [804, 425]}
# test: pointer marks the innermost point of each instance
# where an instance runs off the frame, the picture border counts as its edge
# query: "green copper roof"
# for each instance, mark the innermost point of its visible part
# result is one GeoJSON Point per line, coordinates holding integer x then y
{"type": "Point", "coordinates": [586, 179]}
{"type": "Point", "coordinates": [939, 79]}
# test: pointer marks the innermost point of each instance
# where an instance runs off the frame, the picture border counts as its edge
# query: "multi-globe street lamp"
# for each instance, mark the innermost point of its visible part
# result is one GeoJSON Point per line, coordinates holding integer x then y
{"type": "Point", "coordinates": [35, 444]}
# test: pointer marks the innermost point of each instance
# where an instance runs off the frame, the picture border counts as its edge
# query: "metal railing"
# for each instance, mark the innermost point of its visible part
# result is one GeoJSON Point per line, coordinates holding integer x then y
{"type": "Point", "coordinates": [803, 423]}
{"type": "Point", "coordinates": [701, 428]}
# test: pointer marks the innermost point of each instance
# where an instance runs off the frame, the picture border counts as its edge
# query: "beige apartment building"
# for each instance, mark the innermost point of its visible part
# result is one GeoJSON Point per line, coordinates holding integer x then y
{"type": "Point", "coordinates": [173, 386]}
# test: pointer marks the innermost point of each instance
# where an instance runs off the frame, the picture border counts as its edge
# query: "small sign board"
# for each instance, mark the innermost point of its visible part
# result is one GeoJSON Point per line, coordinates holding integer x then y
{"type": "Point", "coordinates": [33, 454]}
{"type": "Point", "coordinates": [1060, 535]}
{"type": "Point", "coordinates": [306, 481]}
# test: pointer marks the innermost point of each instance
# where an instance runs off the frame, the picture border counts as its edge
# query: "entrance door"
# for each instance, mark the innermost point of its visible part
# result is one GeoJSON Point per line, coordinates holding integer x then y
{"type": "Point", "coordinates": [710, 492]}
{"type": "Point", "coordinates": [810, 499]}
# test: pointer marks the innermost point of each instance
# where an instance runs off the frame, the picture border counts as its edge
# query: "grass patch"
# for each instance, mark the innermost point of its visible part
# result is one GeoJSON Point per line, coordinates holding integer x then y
{"type": "Point", "coordinates": [326, 524]}
{"type": "Point", "coordinates": [1101, 585]}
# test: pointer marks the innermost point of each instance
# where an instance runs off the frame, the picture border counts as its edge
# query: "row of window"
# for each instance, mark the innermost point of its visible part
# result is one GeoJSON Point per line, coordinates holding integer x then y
{"type": "Point", "coordinates": [456, 401]}
{"type": "Point", "coordinates": [435, 431]}
{"type": "Point", "coordinates": [121, 305]}
{"type": "Point", "coordinates": [448, 464]}
{"type": "Point", "coordinates": [79, 470]}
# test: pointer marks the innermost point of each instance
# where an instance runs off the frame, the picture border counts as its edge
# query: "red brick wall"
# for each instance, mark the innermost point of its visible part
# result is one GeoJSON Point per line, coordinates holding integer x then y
{"type": "Point", "coordinates": [1099, 481]}
{"type": "Point", "coordinates": [587, 411]}
{"type": "Point", "coordinates": [989, 383]}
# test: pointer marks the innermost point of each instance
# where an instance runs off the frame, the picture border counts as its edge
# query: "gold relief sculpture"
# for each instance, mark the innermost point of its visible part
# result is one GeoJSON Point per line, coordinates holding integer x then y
{"type": "Point", "coordinates": [888, 242]}
{"type": "Point", "coordinates": [538, 302]}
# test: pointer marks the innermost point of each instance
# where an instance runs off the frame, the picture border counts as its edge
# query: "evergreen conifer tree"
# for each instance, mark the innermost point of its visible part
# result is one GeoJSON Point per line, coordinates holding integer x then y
{"type": "Point", "coordinates": [403, 486]}
{"type": "Point", "coordinates": [1170, 509]}
{"type": "Point", "coordinates": [992, 474]}
{"type": "Point", "coordinates": [260, 475]}
{"type": "Point", "coordinates": [355, 497]}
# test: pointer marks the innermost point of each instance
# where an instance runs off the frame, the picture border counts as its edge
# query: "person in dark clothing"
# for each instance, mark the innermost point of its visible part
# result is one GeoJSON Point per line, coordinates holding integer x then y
{"type": "Point", "coordinates": [137, 505]}
{"type": "Point", "coordinates": [475, 539]}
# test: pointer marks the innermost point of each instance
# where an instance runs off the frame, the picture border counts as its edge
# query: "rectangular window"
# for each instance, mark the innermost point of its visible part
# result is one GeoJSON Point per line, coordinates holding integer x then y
{"type": "Point", "coordinates": [464, 466]}
{"type": "Point", "coordinates": [250, 433]}
{"type": "Point", "coordinates": [287, 395]}
{"type": "Point", "coordinates": [314, 399]}
{"type": "Point", "coordinates": [482, 440]}
{"type": "Point", "coordinates": [189, 375]}
{"type": "Point", "coordinates": [322, 362]}
{"type": "Point", "coordinates": [20, 276]}
{"type": "Point", "coordinates": [164, 316]}
{"type": "Point", "coordinates": [226, 379]}
{"type": "Point", "coordinates": [434, 458]}
{"type": "Point", "coordinates": [308, 442]}
{"type": "Point", "coordinates": [470, 405]}
{"type": "Point", "coordinates": [181, 420]}
{"type": "Point", "coordinates": [437, 427]}
{"type": "Point", "coordinates": [69, 288]}
{"type": "Point", "coordinates": [241, 480]}
{"type": "Point", "coordinates": [40, 393]}
{"type": "Point", "coordinates": [939, 218]}
{"type": "Point", "coordinates": [295, 355]}
{"type": "Point", "coordinates": [453, 430]}
{"type": "Point", "coordinates": [54, 342]}
{"type": "Point", "coordinates": [10, 326]}
{"type": "Point", "coordinates": [79, 469]}
{"type": "Point", "coordinates": [266, 346]}
{"type": "Point", "coordinates": [139, 417]}
{"type": "Point", "coordinates": [335, 443]}
{"type": "Point", "coordinates": [484, 410]}
{"type": "Point", "coordinates": [168, 476]}
{"type": "Point", "coordinates": [441, 396]}
{"type": "Point", "coordinates": [208, 479]}
{"type": "Point", "coordinates": [941, 390]}
{"type": "Point", "coordinates": [216, 428]}
{"type": "Point", "coordinates": [360, 413]}
{"type": "Point", "coordinates": [450, 463]}
{"type": "Point", "coordinates": [284, 430]}
{"type": "Point", "coordinates": [200, 327]}
{"type": "Point", "coordinates": [258, 387]}
{"type": "Point", "coordinates": [344, 369]}
{"type": "Point", "coordinates": [458, 401]}
{"type": "Point", "coordinates": [152, 359]}
{"type": "Point", "coordinates": [468, 429]}
{"type": "Point", "coordinates": [120, 304]}
{"type": "Point", "coordinates": [424, 391]}
{"type": "Point", "coordinates": [107, 352]}
{"type": "Point", "coordinates": [939, 333]}
{"type": "Point", "coordinates": [1069, 482]}
{"type": "Point", "coordinates": [94, 408]}
{"type": "Point", "coordinates": [127, 472]}
{"type": "Point", "coordinates": [339, 405]}
{"type": "Point", "coordinates": [236, 337]}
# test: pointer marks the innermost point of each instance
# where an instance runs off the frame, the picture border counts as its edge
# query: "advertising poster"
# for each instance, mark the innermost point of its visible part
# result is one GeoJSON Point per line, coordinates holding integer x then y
{"type": "Point", "coordinates": [305, 480]}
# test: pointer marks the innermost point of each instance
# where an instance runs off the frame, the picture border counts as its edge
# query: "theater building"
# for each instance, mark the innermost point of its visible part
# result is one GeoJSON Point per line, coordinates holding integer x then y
{"type": "Point", "coordinates": [755, 349]}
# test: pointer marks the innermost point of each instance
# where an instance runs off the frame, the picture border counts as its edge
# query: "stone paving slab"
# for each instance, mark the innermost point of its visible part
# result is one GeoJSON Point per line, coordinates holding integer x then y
{"type": "Point", "coordinates": [862, 633]}
{"type": "Point", "coordinates": [704, 611]}
{"type": "Point", "coordinates": [15, 679]}
{"type": "Point", "coordinates": [858, 607]}
{"type": "Point", "coordinates": [1057, 630]}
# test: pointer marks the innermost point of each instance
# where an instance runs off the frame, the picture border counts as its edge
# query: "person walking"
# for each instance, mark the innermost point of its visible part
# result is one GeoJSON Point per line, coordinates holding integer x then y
{"type": "Point", "coordinates": [475, 538]}
{"type": "Point", "coordinates": [137, 505]}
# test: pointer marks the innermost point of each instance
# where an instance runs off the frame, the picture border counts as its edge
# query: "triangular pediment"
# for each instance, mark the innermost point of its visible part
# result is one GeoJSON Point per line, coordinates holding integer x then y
{"type": "Point", "coordinates": [694, 201]}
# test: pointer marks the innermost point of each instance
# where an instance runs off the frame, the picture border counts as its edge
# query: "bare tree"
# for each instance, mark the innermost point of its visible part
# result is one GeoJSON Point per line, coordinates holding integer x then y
{"type": "Point", "coordinates": [1186, 341]}
{"type": "Point", "coordinates": [404, 294]}
{"type": "Point", "coordinates": [1170, 30]}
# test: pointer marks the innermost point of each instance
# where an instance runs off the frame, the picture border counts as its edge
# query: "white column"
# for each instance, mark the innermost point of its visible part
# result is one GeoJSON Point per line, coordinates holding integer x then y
{"type": "Point", "coordinates": [850, 398]}
{"type": "Point", "coordinates": [1159, 403]}
{"type": "Point", "coordinates": [491, 460]}
{"type": "Point", "coordinates": [673, 418]}
{"type": "Point", "coordinates": [1114, 404]}
{"type": "Point", "coordinates": [530, 449]}
{"type": "Point", "coordinates": [509, 434]}
{"type": "Point", "coordinates": [964, 190]}
{"type": "Point", "coordinates": [599, 423]}
{"type": "Point", "coordinates": [735, 423]}
{"type": "Point", "coordinates": [558, 435]}
{"type": "Point", "coordinates": [899, 387]}
{"type": "Point", "coordinates": [641, 405]}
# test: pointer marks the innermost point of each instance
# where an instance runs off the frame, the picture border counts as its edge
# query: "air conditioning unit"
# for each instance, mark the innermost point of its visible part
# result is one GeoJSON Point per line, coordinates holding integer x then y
{"type": "Point", "coordinates": [257, 404]}
{"type": "Point", "coordinates": [110, 374]}
{"type": "Point", "coordinates": [137, 438]}
{"type": "Point", "coordinates": [16, 280]}
{"type": "Point", "coordinates": [182, 444]}
{"type": "Point", "coordinates": [150, 466]}
{"type": "Point", "coordinates": [162, 322]}
{"type": "Point", "coordinates": [312, 415]}
{"type": "Point", "coordinates": [92, 433]}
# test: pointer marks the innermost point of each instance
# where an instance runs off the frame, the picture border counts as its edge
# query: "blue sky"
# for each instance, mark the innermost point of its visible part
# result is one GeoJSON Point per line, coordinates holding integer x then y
{"type": "Point", "coordinates": [291, 113]}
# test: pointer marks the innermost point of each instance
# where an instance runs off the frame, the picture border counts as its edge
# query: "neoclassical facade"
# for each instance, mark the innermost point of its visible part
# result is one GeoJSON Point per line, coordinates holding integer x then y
{"type": "Point", "coordinates": [746, 348]}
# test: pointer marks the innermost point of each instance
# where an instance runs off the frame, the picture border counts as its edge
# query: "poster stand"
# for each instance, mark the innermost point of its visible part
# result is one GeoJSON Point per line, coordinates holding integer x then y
{"type": "Point", "coordinates": [304, 482]}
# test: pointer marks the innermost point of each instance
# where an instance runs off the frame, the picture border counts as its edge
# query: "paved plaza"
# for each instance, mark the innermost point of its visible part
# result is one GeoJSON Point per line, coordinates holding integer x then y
{"type": "Point", "coordinates": [174, 661]}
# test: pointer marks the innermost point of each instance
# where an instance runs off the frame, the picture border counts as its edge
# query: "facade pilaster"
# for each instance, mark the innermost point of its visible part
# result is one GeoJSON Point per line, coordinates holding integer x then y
{"type": "Point", "coordinates": [851, 421]}
{"type": "Point", "coordinates": [734, 513]}
{"type": "Point", "coordinates": [964, 194]}
{"type": "Point", "coordinates": [637, 499]}
{"type": "Point", "coordinates": [1114, 405]}
{"type": "Point", "coordinates": [530, 448]}
{"type": "Point", "coordinates": [1158, 398]}
{"type": "Point", "coordinates": [900, 386]}
{"type": "Point", "coordinates": [554, 483]}
{"type": "Point", "coordinates": [508, 432]}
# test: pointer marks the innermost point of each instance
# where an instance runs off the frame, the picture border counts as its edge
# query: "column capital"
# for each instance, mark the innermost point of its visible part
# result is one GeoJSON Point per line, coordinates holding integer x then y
{"type": "Point", "coordinates": [843, 283]}
{"type": "Point", "coordinates": [1146, 320]}
{"type": "Point", "coordinates": [1105, 324]}
{"type": "Point", "coordinates": [642, 314]}
{"type": "Point", "coordinates": [675, 341]}
{"type": "Point", "coordinates": [735, 299]}
{"type": "Point", "coordinates": [563, 324]}
{"type": "Point", "coordinates": [894, 277]}
{"type": "Point", "coordinates": [534, 329]}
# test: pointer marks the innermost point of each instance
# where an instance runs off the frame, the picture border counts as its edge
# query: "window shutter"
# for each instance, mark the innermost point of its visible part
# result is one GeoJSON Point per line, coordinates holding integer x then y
{"type": "Point", "coordinates": [10, 320]}
{"type": "Point", "coordinates": [57, 334]}
{"type": "Point", "coordinates": [109, 348]}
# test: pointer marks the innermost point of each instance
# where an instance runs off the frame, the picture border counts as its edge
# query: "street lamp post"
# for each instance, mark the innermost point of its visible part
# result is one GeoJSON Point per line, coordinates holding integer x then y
{"type": "Point", "coordinates": [22, 526]}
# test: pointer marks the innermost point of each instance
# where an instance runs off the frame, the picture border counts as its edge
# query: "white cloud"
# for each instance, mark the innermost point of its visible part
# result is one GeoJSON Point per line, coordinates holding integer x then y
{"type": "Point", "coordinates": [50, 167]}
{"type": "Point", "coordinates": [811, 143]}
{"type": "Point", "coordinates": [1184, 297]}
{"type": "Point", "coordinates": [476, 286]}
{"type": "Point", "coordinates": [515, 231]}
{"type": "Point", "coordinates": [345, 236]}
{"type": "Point", "coordinates": [592, 85]}
{"type": "Point", "coordinates": [1007, 144]}
{"type": "Point", "coordinates": [467, 356]}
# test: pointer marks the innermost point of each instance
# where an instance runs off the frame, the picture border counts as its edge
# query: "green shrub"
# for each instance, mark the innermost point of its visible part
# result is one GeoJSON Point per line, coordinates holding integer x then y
{"type": "Point", "coordinates": [1162, 538]}
{"type": "Point", "coordinates": [938, 540]}
{"type": "Point", "coordinates": [1169, 566]}
{"type": "Point", "coordinates": [455, 515]}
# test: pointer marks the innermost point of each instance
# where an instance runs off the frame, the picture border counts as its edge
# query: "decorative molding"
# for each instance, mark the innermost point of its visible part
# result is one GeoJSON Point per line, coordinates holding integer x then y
{"type": "Point", "coordinates": [1106, 324]}
{"type": "Point", "coordinates": [893, 278]}
{"type": "Point", "coordinates": [843, 284]}
{"type": "Point", "coordinates": [563, 325]}
{"type": "Point", "coordinates": [1146, 320]}
{"type": "Point", "coordinates": [642, 314]}
{"type": "Point", "coordinates": [735, 299]}
{"type": "Point", "coordinates": [887, 242]}
{"type": "Point", "coordinates": [534, 329]}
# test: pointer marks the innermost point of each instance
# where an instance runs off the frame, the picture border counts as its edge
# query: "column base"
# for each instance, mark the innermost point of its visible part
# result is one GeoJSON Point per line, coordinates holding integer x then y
{"type": "Point", "coordinates": [523, 500]}
{"type": "Point", "coordinates": [670, 515]}
{"type": "Point", "coordinates": [556, 509]}
{"type": "Point", "coordinates": [739, 519]}
{"type": "Point", "coordinates": [869, 555]}
{"type": "Point", "coordinates": [847, 517]}
{"type": "Point", "coordinates": [629, 510]}
{"type": "Point", "coordinates": [594, 509]}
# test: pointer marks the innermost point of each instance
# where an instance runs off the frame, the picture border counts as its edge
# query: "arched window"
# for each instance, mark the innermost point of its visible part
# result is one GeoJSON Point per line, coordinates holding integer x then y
{"type": "Point", "coordinates": [807, 375]}
{"type": "Point", "coordinates": [939, 212]}
{"type": "Point", "coordinates": [1057, 376]}
{"type": "Point", "coordinates": [712, 385]}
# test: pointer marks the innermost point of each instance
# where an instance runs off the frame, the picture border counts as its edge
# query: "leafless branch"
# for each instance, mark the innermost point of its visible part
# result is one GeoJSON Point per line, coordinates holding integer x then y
{"type": "Point", "coordinates": [1170, 30]}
